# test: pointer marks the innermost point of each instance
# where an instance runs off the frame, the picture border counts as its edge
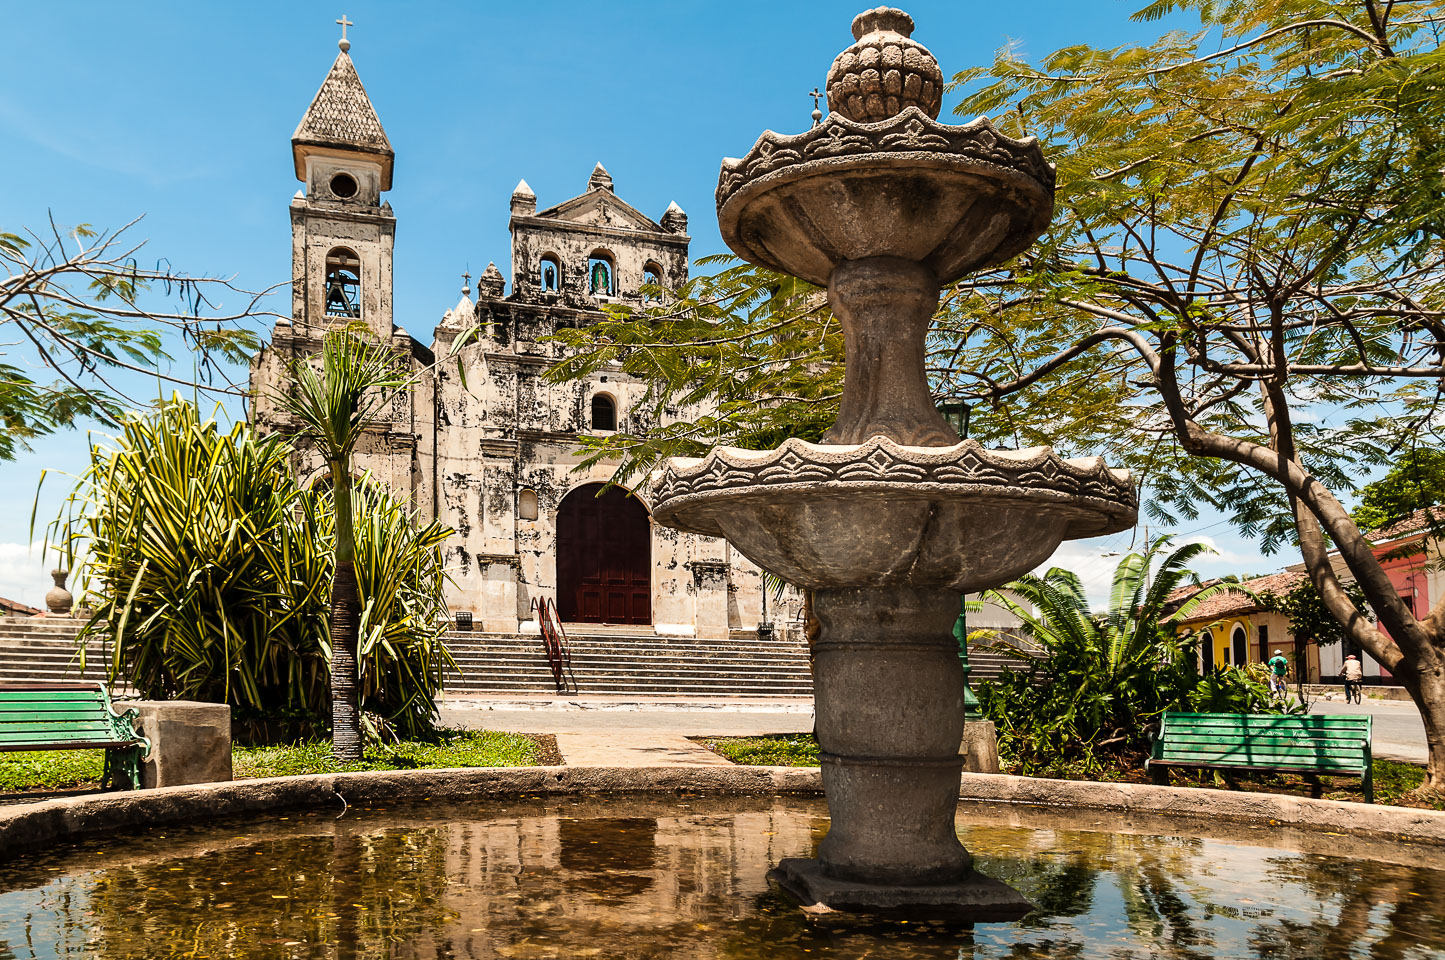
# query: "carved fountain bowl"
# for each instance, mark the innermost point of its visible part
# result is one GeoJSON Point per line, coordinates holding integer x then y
{"type": "Point", "coordinates": [827, 516]}
{"type": "Point", "coordinates": [956, 198]}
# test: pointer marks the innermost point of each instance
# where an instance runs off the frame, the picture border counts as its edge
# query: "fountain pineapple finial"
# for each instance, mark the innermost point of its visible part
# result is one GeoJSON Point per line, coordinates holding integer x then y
{"type": "Point", "coordinates": [884, 72]}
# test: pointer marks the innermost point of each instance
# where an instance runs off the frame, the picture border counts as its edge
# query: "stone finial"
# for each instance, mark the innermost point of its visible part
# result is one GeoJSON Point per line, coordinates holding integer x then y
{"type": "Point", "coordinates": [524, 201]}
{"type": "Point", "coordinates": [600, 179]}
{"type": "Point", "coordinates": [491, 285]}
{"type": "Point", "coordinates": [58, 599]}
{"type": "Point", "coordinates": [673, 219]}
{"type": "Point", "coordinates": [884, 72]}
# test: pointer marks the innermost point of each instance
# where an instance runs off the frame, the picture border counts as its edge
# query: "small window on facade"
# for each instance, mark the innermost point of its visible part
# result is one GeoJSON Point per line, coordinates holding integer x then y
{"type": "Point", "coordinates": [604, 413]}
{"type": "Point", "coordinates": [551, 275]}
{"type": "Point", "coordinates": [651, 277]}
{"type": "Point", "coordinates": [527, 505]}
{"type": "Point", "coordinates": [599, 276]}
{"type": "Point", "coordinates": [343, 185]}
{"type": "Point", "coordinates": [1240, 642]}
{"type": "Point", "coordinates": [1206, 645]}
{"type": "Point", "coordinates": [343, 283]}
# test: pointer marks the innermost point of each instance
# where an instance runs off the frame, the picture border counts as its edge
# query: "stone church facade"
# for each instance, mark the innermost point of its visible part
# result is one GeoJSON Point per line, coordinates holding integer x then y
{"type": "Point", "coordinates": [483, 442]}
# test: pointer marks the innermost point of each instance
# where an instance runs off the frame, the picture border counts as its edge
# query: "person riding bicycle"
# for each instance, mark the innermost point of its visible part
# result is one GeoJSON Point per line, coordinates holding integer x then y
{"type": "Point", "coordinates": [1354, 675]}
{"type": "Point", "coordinates": [1278, 671]}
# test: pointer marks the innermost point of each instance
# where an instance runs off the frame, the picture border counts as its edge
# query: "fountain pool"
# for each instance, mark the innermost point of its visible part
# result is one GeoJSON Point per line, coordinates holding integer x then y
{"type": "Point", "coordinates": [639, 877]}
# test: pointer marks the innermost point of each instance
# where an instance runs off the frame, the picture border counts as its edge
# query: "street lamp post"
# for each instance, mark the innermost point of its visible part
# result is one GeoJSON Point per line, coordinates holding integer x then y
{"type": "Point", "coordinates": [957, 414]}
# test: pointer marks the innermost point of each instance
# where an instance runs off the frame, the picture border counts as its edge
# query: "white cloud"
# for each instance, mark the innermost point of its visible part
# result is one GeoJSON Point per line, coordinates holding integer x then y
{"type": "Point", "coordinates": [25, 573]}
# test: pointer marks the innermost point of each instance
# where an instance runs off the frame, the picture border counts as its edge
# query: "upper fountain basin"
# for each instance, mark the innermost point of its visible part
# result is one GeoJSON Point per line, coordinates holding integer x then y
{"type": "Point", "coordinates": [826, 516]}
{"type": "Point", "coordinates": [956, 198]}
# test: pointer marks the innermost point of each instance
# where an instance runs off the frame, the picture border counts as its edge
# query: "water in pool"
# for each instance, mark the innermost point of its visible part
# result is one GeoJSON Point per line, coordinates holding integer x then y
{"type": "Point", "coordinates": [641, 878]}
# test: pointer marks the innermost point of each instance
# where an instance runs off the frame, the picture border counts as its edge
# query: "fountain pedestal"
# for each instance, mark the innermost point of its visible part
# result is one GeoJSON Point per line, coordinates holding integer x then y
{"type": "Point", "coordinates": [889, 700]}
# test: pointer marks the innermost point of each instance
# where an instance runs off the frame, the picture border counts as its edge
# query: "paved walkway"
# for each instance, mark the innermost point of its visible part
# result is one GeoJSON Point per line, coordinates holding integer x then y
{"type": "Point", "coordinates": [608, 750]}
{"type": "Point", "coordinates": [659, 720]}
{"type": "Point", "coordinates": [1397, 731]}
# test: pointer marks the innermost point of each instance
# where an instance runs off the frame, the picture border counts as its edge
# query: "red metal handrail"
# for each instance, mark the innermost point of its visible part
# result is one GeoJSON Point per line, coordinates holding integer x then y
{"type": "Point", "coordinates": [554, 642]}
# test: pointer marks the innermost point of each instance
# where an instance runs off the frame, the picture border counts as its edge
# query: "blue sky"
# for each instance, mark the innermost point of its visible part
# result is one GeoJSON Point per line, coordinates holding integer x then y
{"type": "Point", "coordinates": [183, 112]}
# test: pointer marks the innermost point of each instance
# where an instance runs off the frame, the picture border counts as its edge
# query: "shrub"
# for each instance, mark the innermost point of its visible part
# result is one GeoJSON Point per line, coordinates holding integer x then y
{"type": "Point", "coordinates": [1099, 683]}
{"type": "Point", "coordinates": [209, 571]}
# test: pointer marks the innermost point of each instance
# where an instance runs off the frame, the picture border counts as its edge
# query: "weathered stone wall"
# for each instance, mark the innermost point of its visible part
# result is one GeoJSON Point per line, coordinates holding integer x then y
{"type": "Point", "coordinates": [484, 430]}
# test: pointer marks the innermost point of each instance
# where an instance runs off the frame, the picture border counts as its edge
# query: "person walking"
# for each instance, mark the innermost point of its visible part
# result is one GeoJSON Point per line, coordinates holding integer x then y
{"type": "Point", "coordinates": [1354, 676]}
{"type": "Point", "coordinates": [1278, 672]}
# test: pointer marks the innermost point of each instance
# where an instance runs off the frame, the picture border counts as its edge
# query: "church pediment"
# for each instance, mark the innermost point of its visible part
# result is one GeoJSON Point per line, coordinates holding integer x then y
{"type": "Point", "coordinates": [601, 208]}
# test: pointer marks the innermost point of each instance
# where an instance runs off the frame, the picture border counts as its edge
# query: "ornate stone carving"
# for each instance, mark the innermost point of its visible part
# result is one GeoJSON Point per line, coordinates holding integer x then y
{"type": "Point", "coordinates": [880, 460]}
{"type": "Point", "coordinates": [885, 71]}
{"type": "Point", "coordinates": [911, 130]}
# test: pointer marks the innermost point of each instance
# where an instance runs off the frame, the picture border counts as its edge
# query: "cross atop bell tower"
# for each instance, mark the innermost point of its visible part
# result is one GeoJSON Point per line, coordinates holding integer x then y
{"type": "Point", "coordinates": [342, 230]}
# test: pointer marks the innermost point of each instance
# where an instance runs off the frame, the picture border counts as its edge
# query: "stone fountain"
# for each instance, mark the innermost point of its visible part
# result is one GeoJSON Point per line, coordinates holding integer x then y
{"type": "Point", "coordinates": [890, 518]}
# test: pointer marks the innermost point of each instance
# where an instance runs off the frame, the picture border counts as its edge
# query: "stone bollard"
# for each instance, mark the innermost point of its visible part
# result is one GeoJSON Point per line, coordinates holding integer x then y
{"type": "Point", "coordinates": [58, 599]}
{"type": "Point", "coordinates": [190, 741]}
{"type": "Point", "coordinates": [979, 747]}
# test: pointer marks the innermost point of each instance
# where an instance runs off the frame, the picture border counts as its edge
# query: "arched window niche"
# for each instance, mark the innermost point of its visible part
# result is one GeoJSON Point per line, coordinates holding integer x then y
{"type": "Point", "coordinates": [343, 283]}
{"type": "Point", "coordinates": [1239, 641]}
{"type": "Point", "coordinates": [604, 412]}
{"type": "Point", "coordinates": [1206, 650]}
{"type": "Point", "coordinates": [651, 277]}
{"type": "Point", "coordinates": [601, 281]}
{"type": "Point", "coordinates": [549, 274]}
{"type": "Point", "coordinates": [527, 505]}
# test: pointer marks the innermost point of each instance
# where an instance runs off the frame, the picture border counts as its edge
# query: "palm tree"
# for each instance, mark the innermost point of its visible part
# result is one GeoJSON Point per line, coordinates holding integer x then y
{"type": "Point", "coordinates": [1105, 677]}
{"type": "Point", "coordinates": [334, 409]}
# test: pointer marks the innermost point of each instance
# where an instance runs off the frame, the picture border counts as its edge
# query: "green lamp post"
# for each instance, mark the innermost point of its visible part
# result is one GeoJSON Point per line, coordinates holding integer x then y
{"type": "Point", "coordinates": [956, 413]}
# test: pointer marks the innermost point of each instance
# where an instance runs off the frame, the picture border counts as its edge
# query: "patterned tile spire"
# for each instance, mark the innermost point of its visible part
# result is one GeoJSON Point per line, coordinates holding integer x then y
{"type": "Point", "coordinates": [341, 113]}
{"type": "Point", "coordinates": [341, 116]}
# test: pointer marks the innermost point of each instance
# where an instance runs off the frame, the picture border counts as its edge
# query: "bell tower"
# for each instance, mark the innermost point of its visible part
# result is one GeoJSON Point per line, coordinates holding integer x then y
{"type": "Point", "coordinates": [342, 232]}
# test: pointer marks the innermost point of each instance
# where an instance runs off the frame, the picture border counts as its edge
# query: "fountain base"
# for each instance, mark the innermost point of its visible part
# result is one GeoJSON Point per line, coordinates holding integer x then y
{"type": "Point", "coordinates": [974, 899]}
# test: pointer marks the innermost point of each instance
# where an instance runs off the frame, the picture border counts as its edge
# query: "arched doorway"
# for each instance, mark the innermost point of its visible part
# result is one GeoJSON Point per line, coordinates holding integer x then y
{"type": "Point", "coordinates": [604, 557]}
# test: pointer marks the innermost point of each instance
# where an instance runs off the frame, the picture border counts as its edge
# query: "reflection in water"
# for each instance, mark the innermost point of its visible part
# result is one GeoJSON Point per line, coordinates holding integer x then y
{"type": "Point", "coordinates": [642, 878]}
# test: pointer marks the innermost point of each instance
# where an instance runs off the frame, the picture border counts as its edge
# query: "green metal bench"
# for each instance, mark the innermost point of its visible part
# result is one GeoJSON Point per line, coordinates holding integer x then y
{"type": "Point", "coordinates": [73, 716]}
{"type": "Point", "coordinates": [1264, 742]}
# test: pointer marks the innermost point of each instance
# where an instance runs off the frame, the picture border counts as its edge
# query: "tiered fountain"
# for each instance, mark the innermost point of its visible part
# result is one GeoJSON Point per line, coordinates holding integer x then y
{"type": "Point", "coordinates": [891, 518]}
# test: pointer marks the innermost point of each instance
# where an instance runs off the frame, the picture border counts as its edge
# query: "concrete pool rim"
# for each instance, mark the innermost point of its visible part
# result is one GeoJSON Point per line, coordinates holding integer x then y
{"type": "Point", "coordinates": [31, 826]}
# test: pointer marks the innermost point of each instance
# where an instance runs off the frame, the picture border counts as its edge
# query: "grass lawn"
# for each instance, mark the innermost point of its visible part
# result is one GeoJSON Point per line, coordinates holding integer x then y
{"type": "Point", "coordinates": [69, 769]}
{"type": "Point", "coordinates": [1392, 780]}
{"type": "Point", "coordinates": [773, 750]}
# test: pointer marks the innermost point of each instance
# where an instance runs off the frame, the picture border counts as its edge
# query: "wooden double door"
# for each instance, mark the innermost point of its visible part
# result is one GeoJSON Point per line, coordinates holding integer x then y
{"type": "Point", "coordinates": [604, 557]}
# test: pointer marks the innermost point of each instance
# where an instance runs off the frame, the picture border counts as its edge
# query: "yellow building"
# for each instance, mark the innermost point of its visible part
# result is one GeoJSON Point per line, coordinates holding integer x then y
{"type": "Point", "coordinates": [1236, 631]}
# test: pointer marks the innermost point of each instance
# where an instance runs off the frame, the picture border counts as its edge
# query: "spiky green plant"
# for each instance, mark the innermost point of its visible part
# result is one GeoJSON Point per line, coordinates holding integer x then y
{"type": "Point", "coordinates": [334, 408]}
{"type": "Point", "coordinates": [209, 570]}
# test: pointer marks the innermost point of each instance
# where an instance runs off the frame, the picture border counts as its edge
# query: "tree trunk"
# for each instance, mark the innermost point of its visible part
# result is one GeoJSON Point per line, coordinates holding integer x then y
{"type": "Point", "coordinates": [1411, 649]}
{"type": "Point", "coordinates": [346, 745]}
{"type": "Point", "coordinates": [1424, 680]}
{"type": "Point", "coordinates": [345, 683]}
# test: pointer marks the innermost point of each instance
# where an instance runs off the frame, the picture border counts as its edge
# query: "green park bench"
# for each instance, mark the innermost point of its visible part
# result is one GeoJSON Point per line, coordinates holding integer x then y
{"type": "Point", "coordinates": [1264, 742]}
{"type": "Point", "coordinates": [73, 716]}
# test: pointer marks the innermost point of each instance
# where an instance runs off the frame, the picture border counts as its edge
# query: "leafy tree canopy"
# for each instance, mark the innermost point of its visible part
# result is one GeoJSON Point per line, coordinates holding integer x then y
{"type": "Point", "coordinates": [78, 306]}
{"type": "Point", "coordinates": [1416, 481]}
{"type": "Point", "coordinates": [1310, 620]}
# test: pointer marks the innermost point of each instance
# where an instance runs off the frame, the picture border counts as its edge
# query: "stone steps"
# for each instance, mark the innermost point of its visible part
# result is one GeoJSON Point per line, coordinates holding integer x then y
{"type": "Point", "coordinates": [515, 665]}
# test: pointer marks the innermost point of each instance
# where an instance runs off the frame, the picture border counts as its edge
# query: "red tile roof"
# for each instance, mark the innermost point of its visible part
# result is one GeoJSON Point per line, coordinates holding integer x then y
{"type": "Point", "coordinates": [1229, 603]}
{"type": "Point", "coordinates": [1414, 523]}
{"type": "Point", "coordinates": [16, 608]}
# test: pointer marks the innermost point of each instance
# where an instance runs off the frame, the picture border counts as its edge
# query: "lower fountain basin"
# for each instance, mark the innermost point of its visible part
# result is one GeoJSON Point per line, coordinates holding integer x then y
{"type": "Point", "coordinates": [828, 516]}
{"type": "Point", "coordinates": [627, 877]}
